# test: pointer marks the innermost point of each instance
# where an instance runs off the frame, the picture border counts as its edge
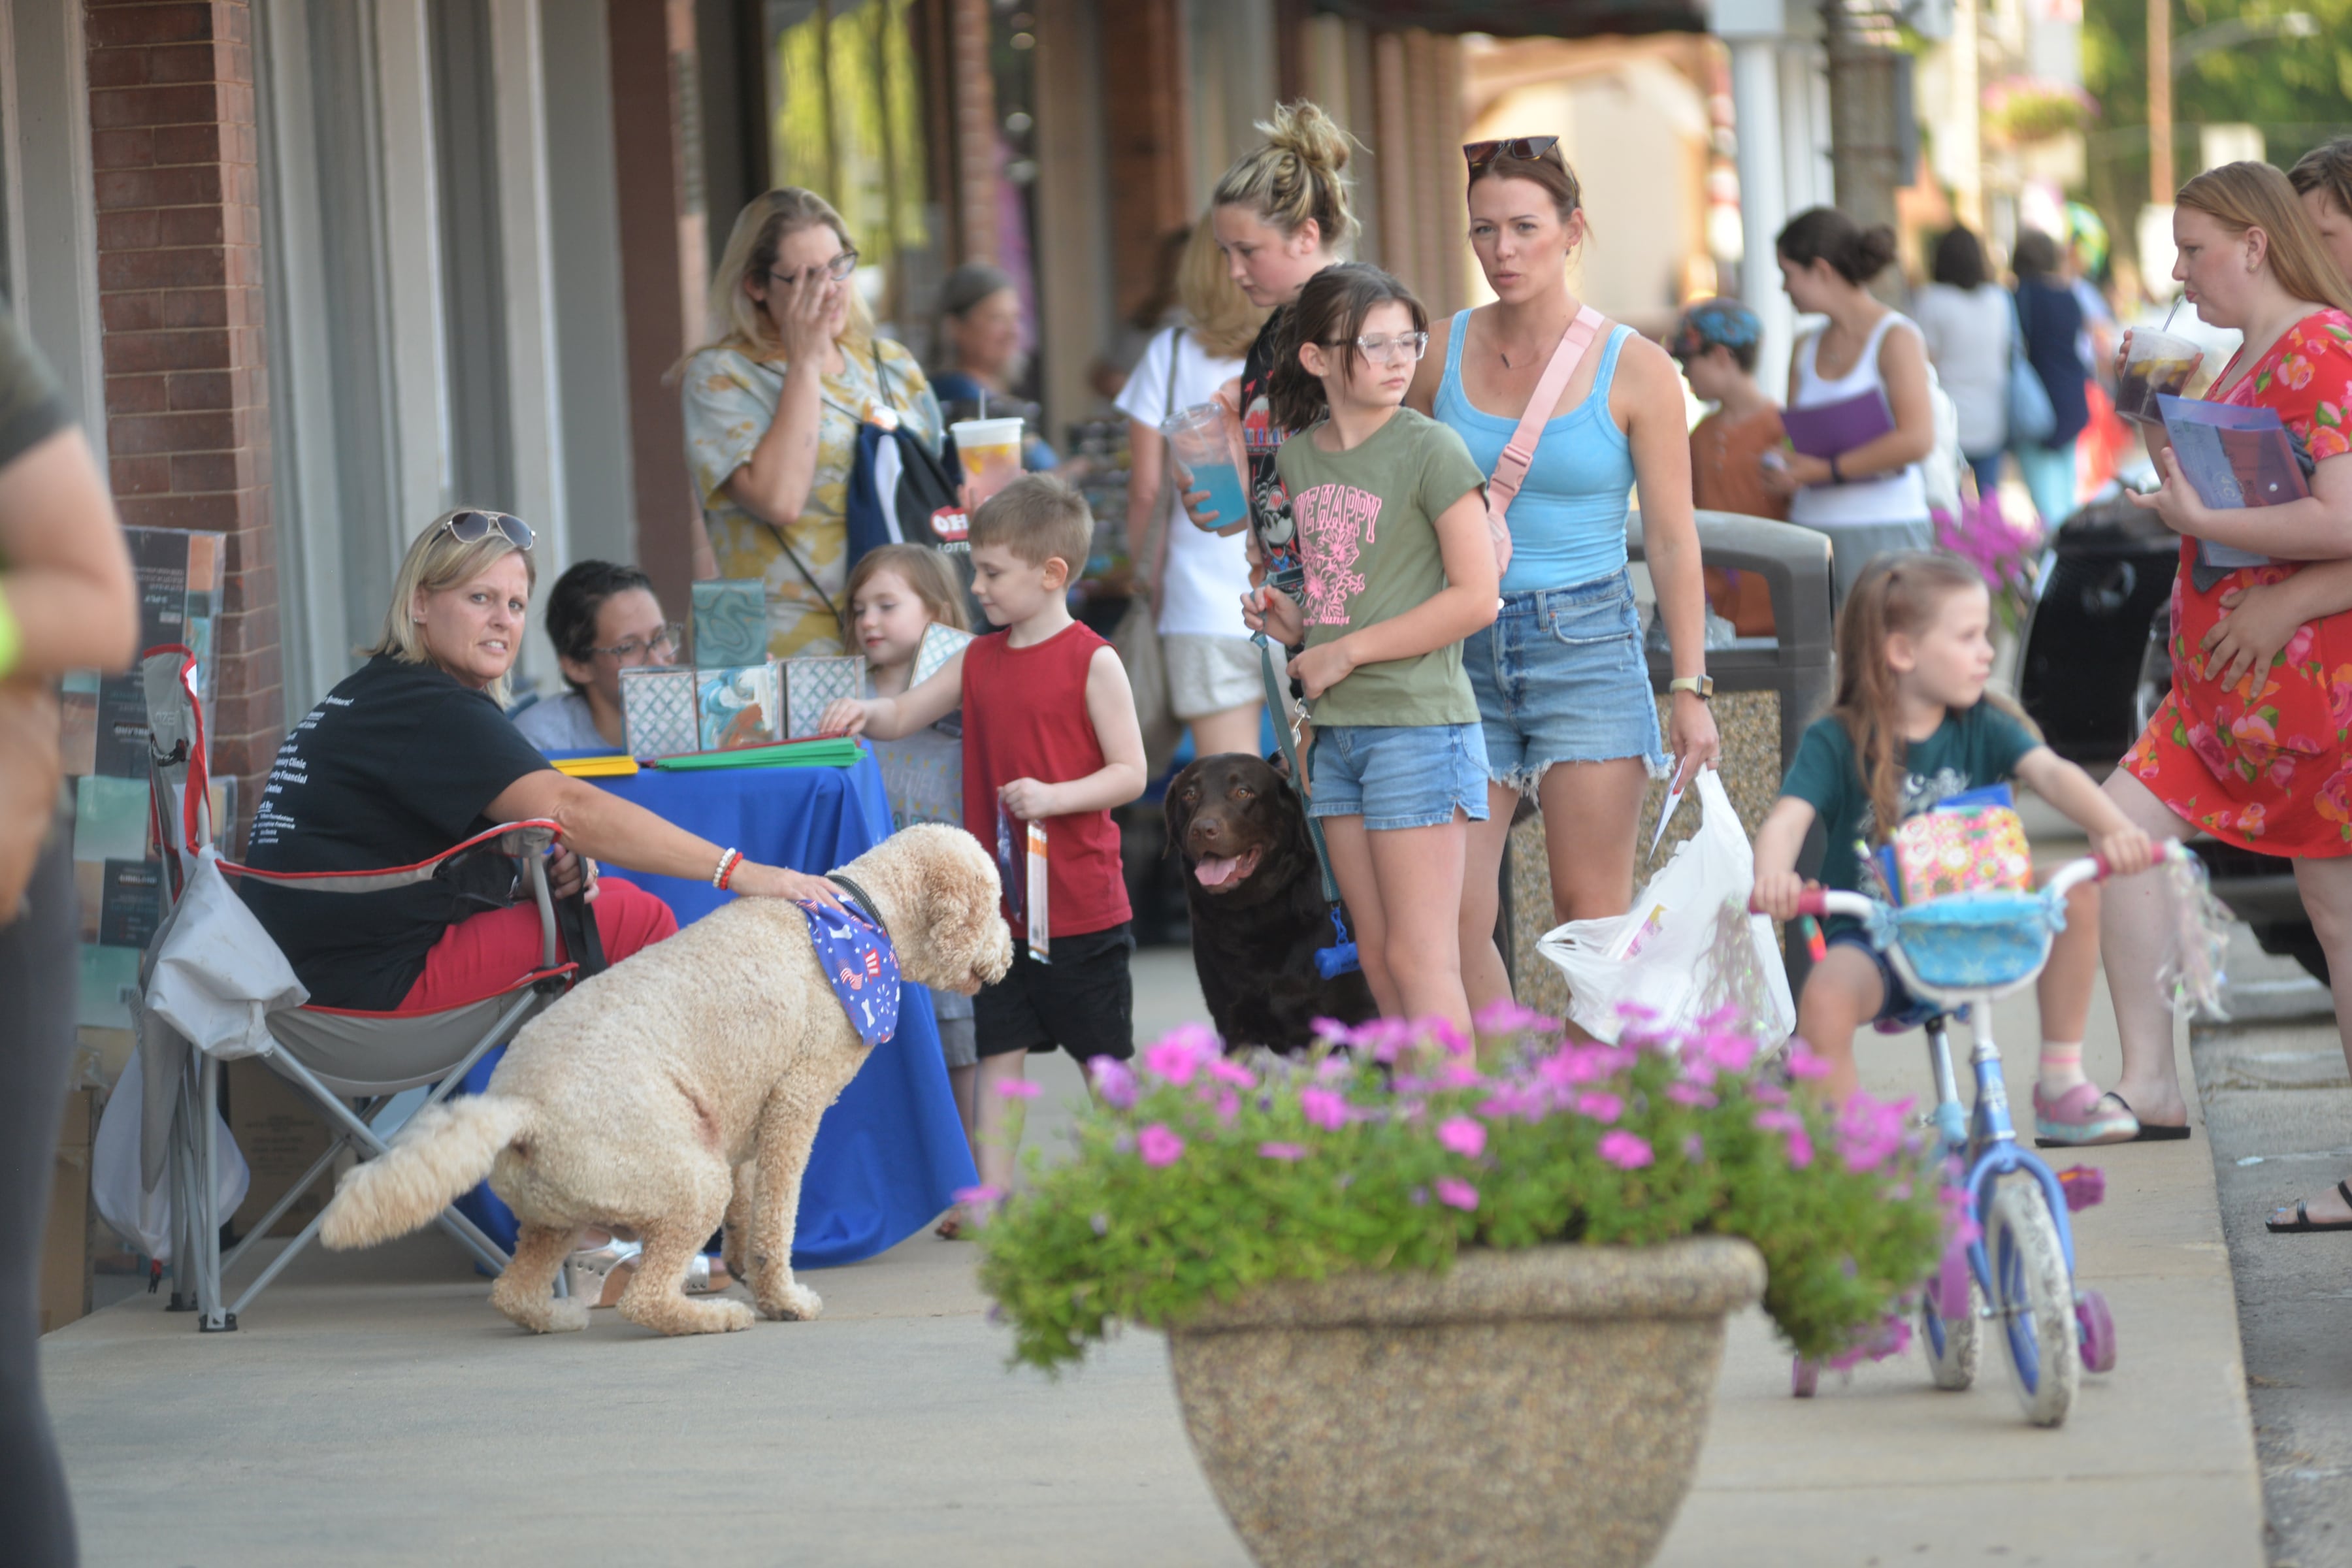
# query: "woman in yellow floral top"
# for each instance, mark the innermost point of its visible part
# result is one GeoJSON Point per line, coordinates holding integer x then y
{"type": "Point", "coordinates": [772, 411]}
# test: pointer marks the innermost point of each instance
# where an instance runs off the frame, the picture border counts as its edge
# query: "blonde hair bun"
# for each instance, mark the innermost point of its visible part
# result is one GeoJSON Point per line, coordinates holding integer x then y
{"type": "Point", "coordinates": [1296, 178]}
{"type": "Point", "coordinates": [1307, 134]}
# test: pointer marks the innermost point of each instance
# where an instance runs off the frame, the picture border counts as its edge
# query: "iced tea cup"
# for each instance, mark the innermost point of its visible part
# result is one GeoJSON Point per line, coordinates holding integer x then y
{"type": "Point", "coordinates": [2157, 364]}
{"type": "Point", "coordinates": [990, 450]}
{"type": "Point", "coordinates": [1198, 439]}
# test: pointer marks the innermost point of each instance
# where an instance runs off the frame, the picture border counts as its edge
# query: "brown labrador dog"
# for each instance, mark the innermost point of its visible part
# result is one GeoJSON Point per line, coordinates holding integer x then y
{"type": "Point", "coordinates": [1258, 905]}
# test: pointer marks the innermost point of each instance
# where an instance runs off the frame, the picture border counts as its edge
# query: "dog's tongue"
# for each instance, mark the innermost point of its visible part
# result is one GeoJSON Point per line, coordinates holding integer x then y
{"type": "Point", "coordinates": [1215, 871]}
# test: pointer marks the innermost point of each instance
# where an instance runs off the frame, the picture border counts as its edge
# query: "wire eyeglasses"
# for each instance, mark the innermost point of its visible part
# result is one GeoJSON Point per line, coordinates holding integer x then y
{"type": "Point", "coordinates": [631, 649]}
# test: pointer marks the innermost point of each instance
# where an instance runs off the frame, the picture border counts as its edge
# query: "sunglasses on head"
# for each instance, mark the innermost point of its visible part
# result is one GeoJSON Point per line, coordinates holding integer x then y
{"type": "Point", "coordinates": [1527, 149]}
{"type": "Point", "coordinates": [473, 527]}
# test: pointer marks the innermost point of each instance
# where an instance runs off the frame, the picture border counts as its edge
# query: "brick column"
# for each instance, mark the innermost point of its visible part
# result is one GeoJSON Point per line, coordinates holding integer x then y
{"type": "Point", "coordinates": [180, 298]}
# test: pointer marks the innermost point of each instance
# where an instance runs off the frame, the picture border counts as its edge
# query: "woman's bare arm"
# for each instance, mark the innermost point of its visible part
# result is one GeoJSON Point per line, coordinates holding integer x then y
{"type": "Point", "coordinates": [602, 825]}
{"type": "Point", "coordinates": [67, 578]}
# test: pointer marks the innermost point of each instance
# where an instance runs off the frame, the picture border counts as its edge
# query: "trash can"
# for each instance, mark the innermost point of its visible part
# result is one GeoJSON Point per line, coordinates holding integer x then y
{"type": "Point", "coordinates": [1766, 691]}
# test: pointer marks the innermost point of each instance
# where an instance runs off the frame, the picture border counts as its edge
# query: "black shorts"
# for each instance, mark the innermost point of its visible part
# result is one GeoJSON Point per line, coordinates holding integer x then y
{"type": "Point", "coordinates": [1084, 1001]}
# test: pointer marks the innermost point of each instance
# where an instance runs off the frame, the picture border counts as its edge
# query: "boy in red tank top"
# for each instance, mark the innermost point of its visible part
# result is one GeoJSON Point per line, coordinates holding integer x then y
{"type": "Point", "coordinates": [1049, 735]}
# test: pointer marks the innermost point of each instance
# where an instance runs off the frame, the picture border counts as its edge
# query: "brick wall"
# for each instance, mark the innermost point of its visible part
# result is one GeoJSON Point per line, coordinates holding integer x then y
{"type": "Point", "coordinates": [180, 297]}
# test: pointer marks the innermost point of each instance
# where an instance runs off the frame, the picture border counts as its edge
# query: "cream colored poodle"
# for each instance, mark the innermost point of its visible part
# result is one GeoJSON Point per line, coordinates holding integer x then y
{"type": "Point", "coordinates": [634, 1100]}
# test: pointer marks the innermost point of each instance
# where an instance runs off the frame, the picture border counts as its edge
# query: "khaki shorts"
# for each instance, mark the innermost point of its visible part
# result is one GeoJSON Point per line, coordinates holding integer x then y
{"type": "Point", "coordinates": [1210, 674]}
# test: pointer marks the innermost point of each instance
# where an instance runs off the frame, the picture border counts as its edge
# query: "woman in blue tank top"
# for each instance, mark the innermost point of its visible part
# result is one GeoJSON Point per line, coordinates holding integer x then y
{"type": "Point", "coordinates": [1563, 687]}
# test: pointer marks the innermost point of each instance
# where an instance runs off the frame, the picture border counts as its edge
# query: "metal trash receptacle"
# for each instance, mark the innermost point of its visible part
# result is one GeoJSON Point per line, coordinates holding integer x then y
{"type": "Point", "coordinates": [1766, 691]}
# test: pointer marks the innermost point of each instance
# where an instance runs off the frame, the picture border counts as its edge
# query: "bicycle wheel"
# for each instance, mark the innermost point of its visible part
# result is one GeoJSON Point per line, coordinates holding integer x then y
{"type": "Point", "coordinates": [1951, 1342]}
{"type": "Point", "coordinates": [2034, 1299]}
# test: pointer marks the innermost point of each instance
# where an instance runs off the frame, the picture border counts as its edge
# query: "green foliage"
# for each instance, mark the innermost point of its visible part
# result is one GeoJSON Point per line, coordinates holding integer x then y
{"type": "Point", "coordinates": [1199, 1177]}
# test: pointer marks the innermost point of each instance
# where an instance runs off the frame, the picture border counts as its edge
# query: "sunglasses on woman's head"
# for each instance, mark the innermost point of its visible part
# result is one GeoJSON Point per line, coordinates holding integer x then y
{"type": "Point", "coordinates": [1527, 149]}
{"type": "Point", "coordinates": [473, 527]}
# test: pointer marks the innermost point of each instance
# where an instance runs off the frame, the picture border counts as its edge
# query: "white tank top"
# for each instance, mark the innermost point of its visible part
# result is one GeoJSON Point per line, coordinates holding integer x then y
{"type": "Point", "coordinates": [1898, 497]}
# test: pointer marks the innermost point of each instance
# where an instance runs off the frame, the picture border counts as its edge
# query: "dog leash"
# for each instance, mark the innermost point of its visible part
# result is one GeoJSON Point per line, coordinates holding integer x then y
{"type": "Point", "coordinates": [1340, 957]}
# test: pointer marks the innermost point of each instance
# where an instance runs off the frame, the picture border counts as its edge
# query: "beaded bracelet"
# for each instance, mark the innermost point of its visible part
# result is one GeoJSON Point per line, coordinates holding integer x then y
{"type": "Point", "coordinates": [726, 871]}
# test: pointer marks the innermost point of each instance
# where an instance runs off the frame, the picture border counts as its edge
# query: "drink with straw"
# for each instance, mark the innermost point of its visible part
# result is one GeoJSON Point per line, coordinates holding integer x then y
{"type": "Point", "coordinates": [990, 451]}
{"type": "Point", "coordinates": [1204, 456]}
{"type": "Point", "coordinates": [2157, 364]}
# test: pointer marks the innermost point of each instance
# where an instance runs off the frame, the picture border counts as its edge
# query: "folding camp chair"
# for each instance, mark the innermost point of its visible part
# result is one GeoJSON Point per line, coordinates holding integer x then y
{"type": "Point", "coordinates": [335, 1055]}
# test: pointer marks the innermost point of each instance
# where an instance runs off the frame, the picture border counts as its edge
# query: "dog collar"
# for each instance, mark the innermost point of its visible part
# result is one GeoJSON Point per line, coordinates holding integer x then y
{"type": "Point", "coordinates": [866, 906]}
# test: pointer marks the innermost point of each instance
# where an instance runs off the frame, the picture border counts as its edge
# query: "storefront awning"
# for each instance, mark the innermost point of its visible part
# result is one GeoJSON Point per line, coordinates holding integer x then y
{"type": "Point", "coordinates": [1527, 18]}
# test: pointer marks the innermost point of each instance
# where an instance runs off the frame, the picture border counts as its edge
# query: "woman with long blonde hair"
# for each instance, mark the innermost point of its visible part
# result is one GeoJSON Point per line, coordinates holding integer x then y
{"type": "Point", "coordinates": [1196, 579]}
{"type": "Point", "coordinates": [2255, 750]}
{"type": "Point", "coordinates": [774, 403]}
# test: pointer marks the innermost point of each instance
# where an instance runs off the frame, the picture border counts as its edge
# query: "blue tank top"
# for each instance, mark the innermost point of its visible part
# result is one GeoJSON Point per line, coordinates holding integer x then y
{"type": "Point", "coordinates": [1568, 522]}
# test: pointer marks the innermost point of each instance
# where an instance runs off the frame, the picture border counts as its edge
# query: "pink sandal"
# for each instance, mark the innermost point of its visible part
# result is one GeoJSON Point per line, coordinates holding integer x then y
{"type": "Point", "coordinates": [2082, 1117]}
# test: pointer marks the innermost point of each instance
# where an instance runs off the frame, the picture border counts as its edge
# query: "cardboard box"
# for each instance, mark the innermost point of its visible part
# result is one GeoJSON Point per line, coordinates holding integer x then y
{"type": "Point", "coordinates": [65, 1239]}
{"type": "Point", "coordinates": [281, 1134]}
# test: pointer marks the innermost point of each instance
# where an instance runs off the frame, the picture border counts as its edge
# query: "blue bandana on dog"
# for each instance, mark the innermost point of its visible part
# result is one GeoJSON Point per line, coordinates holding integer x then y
{"type": "Point", "coordinates": [860, 967]}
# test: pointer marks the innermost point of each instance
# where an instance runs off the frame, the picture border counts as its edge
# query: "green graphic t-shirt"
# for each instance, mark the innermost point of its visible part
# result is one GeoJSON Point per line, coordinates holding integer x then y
{"type": "Point", "coordinates": [1367, 528]}
{"type": "Point", "coordinates": [1970, 749]}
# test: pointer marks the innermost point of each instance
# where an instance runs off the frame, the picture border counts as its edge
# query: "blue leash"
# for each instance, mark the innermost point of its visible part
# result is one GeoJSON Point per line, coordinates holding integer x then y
{"type": "Point", "coordinates": [1339, 958]}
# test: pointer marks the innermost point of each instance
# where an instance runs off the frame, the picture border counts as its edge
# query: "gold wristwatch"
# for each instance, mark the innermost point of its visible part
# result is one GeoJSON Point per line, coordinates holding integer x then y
{"type": "Point", "coordinates": [1699, 685]}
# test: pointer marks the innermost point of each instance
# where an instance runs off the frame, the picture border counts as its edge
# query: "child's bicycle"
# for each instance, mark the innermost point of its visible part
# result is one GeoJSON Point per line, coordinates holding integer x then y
{"type": "Point", "coordinates": [1958, 952]}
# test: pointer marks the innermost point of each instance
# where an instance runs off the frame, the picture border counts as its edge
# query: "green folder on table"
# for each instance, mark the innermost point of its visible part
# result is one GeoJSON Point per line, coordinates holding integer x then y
{"type": "Point", "coordinates": [838, 752]}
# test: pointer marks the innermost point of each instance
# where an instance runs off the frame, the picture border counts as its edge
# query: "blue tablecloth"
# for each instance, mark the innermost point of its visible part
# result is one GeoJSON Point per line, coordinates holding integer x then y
{"type": "Point", "coordinates": [890, 1153]}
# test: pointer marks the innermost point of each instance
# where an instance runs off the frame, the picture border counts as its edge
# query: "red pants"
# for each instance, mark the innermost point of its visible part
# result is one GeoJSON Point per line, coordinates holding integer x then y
{"type": "Point", "coordinates": [482, 957]}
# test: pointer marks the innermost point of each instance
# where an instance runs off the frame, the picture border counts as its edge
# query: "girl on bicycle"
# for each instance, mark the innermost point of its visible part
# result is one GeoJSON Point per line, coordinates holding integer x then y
{"type": "Point", "coordinates": [1912, 725]}
{"type": "Point", "coordinates": [1391, 525]}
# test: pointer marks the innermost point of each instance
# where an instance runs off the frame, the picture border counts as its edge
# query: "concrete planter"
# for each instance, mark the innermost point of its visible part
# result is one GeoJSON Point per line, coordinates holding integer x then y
{"type": "Point", "coordinates": [1542, 1407]}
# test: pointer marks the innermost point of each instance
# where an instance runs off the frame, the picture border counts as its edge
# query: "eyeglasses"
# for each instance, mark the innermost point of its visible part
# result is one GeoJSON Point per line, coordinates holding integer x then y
{"type": "Point", "coordinates": [664, 640]}
{"type": "Point", "coordinates": [1527, 149]}
{"type": "Point", "coordinates": [1406, 346]}
{"type": "Point", "coordinates": [839, 268]}
{"type": "Point", "coordinates": [473, 527]}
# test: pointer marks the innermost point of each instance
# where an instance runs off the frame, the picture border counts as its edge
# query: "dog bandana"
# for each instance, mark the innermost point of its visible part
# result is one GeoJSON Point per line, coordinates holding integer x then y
{"type": "Point", "coordinates": [860, 967]}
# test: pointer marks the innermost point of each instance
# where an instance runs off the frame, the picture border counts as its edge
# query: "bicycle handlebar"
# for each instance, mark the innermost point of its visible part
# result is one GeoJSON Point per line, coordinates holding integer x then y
{"type": "Point", "coordinates": [1820, 901]}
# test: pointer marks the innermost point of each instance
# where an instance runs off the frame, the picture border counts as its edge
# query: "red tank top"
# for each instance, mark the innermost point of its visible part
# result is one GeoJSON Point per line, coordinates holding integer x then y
{"type": "Point", "coordinates": [1025, 716]}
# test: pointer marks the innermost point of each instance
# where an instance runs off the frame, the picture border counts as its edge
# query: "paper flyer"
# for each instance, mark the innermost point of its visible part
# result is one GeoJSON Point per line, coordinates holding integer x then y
{"type": "Point", "coordinates": [1040, 940]}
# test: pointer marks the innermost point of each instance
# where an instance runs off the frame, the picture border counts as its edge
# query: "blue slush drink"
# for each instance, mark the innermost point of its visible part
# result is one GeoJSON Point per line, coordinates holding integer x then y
{"type": "Point", "coordinates": [1197, 438]}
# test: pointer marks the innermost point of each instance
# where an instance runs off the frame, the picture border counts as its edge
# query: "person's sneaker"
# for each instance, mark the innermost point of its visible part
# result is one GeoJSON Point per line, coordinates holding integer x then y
{"type": "Point", "coordinates": [2082, 1116]}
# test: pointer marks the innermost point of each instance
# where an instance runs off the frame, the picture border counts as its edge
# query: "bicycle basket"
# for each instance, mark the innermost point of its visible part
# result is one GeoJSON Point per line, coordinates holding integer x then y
{"type": "Point", "coordinates": [1971, 942]}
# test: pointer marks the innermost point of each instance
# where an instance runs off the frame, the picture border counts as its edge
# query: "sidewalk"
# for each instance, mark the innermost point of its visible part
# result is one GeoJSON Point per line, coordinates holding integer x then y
{"type": "Point", "coordinates": [373, 1409]}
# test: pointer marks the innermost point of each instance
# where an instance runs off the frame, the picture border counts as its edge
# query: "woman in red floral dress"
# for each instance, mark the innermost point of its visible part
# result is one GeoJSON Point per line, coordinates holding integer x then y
{"type": "Point", "coordinates": [2264, 762]}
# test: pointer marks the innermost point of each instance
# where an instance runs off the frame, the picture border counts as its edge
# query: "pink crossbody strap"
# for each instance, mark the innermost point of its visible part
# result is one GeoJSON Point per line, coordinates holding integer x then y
{"type": "Point", "coordinates": [1520, 451]}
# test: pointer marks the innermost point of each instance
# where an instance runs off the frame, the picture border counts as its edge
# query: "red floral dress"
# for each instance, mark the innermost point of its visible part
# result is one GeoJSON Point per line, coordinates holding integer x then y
{"type": "Point", "coordinates": [2267, 764]}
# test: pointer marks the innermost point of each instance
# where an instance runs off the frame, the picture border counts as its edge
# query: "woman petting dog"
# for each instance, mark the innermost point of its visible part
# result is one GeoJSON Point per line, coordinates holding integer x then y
{"type": "Point", "coordinates": [1563, 688]}
{"type": "Point", "coordinates": [411, 753]}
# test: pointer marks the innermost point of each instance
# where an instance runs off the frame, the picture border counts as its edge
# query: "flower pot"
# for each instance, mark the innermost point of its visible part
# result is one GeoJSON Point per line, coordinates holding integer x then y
{"type": "Point", "coordinates": [1542, 1407]}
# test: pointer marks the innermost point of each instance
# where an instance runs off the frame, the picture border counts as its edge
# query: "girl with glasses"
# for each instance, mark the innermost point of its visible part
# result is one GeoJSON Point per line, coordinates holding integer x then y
{"type": "Point", "coordinates": [1392, 521]}
{"type": "Point", "coordinates": [1562, 688]}
{"type": "Point", "coordinates": [773, 405]}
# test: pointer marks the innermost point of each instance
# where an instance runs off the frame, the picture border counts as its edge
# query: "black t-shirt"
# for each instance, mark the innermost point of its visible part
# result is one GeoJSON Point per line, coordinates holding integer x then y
{"type": "Point", "coordinates": [396, 766]}
{"type": "Point", "coordinates": [30, 409]}
{"type": "Point", "coordinates": [1270, 519]}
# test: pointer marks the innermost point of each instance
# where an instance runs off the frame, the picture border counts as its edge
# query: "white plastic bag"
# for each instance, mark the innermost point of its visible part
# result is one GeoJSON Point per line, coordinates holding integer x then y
{"type": "Point", "coordinates": [1688, 948]}
{"type": "Point", "coordinates": [141, 1218]}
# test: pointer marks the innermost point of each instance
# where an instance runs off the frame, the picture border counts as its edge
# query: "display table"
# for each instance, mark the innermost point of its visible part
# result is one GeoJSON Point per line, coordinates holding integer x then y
{"type": "Point", "coordinates": [890, 1152]}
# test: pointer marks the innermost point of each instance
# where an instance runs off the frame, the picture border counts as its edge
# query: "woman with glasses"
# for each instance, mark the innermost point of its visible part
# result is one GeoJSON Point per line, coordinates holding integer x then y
{"type": "Point", "coordinates": [411, 754]}
{"type": "Point", "coordinates": [772, 408]}
{"type": "Point", "coordinates": [603, 619]}
{"type": "Point", "coordinates": [1562, 685]}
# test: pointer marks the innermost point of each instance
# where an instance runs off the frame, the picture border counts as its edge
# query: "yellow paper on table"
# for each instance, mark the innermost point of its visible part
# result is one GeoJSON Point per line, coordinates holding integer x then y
{"type": "Point", "coordinates": [613, 767]}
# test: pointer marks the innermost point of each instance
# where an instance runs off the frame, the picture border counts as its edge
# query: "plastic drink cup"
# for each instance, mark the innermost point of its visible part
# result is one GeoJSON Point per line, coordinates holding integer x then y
{"type": "Point", "coordinates": [1197, 437]}
{"type": "Point", "coordinates": [990, 450]}
{"type": "Point", "coordinates": [2158, 364]}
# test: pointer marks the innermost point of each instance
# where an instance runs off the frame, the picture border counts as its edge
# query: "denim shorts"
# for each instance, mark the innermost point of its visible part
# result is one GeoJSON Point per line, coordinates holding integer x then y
{"type": "Point", "coordinates": [1397, 776]}
{"type": "Point", "coordinates": [1897, 1009]}
{"type": "Point", "coordinates": [1560, 677]}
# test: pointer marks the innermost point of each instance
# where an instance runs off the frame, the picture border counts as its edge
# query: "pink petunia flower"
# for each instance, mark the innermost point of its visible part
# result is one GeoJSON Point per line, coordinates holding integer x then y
{"type": "Point", "coordinates": [1225, 1070]}
{"type": "Point", "coordinates": [1114, 1080]}
{"type": "Point", "coordinates": [1600, 1105]}
{"type": "Point", "coordinates": [979, 1197]}
{"type": "Point", "coordinates": [1506, 1017]}
{"type": "Point", "coordinates": [1626, 1151]}
{"type": "Point", "coordinates": [1020, 1088]}
{"type": "Point", "coordinates": [1690, 1094]}
{"type": "Point", "coordinates": [1159, 1144]}
{"type": "Point", "coordinates": [1171, 1060]}
{"type": "Point", "coordinates": [1464, 1135]}
{"type": "Point", "coordinates": [1325, 1107]}
{"type": "Point", "coordinates": [1804, 1063]}
{"type": "Point", "coordinates": [1455, 1193]}
{"type": "Point", "coordinates": [1282, 1150]}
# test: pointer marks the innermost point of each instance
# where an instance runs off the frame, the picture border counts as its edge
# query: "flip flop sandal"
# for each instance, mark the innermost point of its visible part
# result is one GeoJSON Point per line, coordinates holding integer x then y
{"type": "Point", "coordinates": [699, 1274]}
{"type": "Point", "coordinates": [2080, 1118]}
{"type": "Point", "coordinates": [587, 1273]}
{"type": "Point", "coordinates": [949, 1229]}
{"type": "Point", "coordinates": [2305, 1225]}
{"type": "Point", "coordinates": [2153, 1131]}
